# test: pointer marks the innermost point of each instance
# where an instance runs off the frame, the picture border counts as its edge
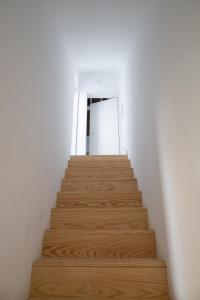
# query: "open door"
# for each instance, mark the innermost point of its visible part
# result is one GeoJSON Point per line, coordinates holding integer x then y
{"type": "Point", "coordinates": [104, 128]}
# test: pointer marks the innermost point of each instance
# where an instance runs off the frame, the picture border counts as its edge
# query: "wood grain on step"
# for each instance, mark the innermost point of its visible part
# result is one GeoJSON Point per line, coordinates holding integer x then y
{"type": "Point", "coordinates": [99, 186]}
{"type": "Point", "coordinates": [96, 298]}
{"type": "Point", "coordinates": [94, 250]}
{"type": "Point", "coordinates": [100, 282]}
{"type": "Point", "coordinates": [99, 157]}
{"type": "Point", "coordinates": [99, 244]}
{"type": "Point", "coordinates": [80, 164]}
{"type": "Point", "coordinates": [65, 199]}
{"type": "Point", "coordinates": [102, 262]}
{"type": "Point", "coordinates": [98, 174]}
{"type": "Point", "coordinates": [97, 219]}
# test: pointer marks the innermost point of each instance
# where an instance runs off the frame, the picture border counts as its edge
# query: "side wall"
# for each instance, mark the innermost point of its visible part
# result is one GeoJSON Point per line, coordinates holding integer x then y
{"type": "Point", "coordinates": [36, 91]}
{"type": "Point", "coordinates": [160, 92]}
{"type": "Point", "coordinates": [177, 110]}
{"type": "Point", "coordinates": [138, 82]}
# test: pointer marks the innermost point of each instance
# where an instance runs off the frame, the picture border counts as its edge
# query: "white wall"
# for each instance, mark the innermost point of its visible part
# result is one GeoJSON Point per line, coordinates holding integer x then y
{"type": "Point", "coordinates": [81, 124]}
{"type": "Point", "coordinates": [74, 117]}
{"type": "Point", "coordinates": [160, 92]}
{"type": "Point", "coordinates": [178, 124]}
{"type": "Point", "coordinates": [99, 84]}
{"type": "Point", "coordinates": [36, 89]}
{"type": "Point", "coordinates": [137, 84]}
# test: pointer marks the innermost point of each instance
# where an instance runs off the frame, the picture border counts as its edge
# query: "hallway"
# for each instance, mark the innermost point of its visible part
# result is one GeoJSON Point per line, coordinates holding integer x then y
{"type": "Point", "coordinates": [54, 55]}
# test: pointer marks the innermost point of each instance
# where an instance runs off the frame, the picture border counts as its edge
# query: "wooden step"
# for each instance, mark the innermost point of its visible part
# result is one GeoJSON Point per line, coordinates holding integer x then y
{"type": "Point", "coordinates": [136, 279]}
{"type": "Point", "coordinates": [99, 246]}
{"type": "Point", "coordinates": [99, 157]}
{"type": "Point", "coordinates": [99, 243]}
{"type": "Point", "coordinates": [104, 164]}
{"type": "Point", "coordinates": [97, 298]}
{"type": "Point", "coordinates": [99, 262]}
{"type": "Point", "coordinates": [99, 186]}
{"type": "Point", "coordinates": [65, 199]}
{"type": "Point", "coordinates": [97, 219]}
{"type": "Point", "coordinates": [98, 174]}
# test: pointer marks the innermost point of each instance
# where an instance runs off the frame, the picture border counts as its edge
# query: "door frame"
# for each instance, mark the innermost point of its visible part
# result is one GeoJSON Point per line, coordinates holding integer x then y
{"type": "Point", "coordinates": [77, 132]}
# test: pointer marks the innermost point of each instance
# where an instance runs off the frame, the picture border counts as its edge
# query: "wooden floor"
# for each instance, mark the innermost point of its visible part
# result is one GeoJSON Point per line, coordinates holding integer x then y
{"type": "Point", "coordinates": [99, 246]}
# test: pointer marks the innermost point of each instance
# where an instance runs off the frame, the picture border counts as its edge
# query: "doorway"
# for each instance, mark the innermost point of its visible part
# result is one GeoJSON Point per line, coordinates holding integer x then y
{"type": "Point", "coordinates": [102, 126]}
{"type": "Point", "coordinates": [96, 115]}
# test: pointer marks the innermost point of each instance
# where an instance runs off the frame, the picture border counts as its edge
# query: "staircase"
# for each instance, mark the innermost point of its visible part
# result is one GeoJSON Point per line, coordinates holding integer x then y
{"type": "Point", "coordinates": [99, 246]}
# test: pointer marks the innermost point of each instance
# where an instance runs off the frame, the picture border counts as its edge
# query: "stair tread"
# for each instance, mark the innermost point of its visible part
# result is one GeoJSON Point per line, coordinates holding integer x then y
{"type": "Point", "coordinates": [98, 219]}
{"type": "Point", "coordinates": [94, 298]}
{"type": "Point", "coordinates": [100, 210]}
{"type": "Point", "coordinates": [96, 262]}
{"type": "Point", "coordinates": [97, 298]}
{"type": "Point", "coordinates": [88, 157]}
{"type": "Point", "coordinates": [99, 243]}
{"type": "Point", "coordinates": [104, 232]}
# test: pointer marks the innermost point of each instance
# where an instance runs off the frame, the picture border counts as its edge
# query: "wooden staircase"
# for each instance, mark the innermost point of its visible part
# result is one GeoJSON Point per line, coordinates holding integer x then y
{"type": "Point", "coordinates": [99, 246]}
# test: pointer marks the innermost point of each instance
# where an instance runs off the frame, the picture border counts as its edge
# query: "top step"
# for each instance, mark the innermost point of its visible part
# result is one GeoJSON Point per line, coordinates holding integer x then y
{"type": "Point", "coordinates": [103, 164]}
{"type": "Point", "coordinates": [99, 157]}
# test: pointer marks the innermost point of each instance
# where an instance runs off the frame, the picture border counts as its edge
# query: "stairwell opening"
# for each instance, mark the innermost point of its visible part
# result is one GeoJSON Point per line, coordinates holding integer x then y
{"type": "Point", "coordinates": [96, 124]}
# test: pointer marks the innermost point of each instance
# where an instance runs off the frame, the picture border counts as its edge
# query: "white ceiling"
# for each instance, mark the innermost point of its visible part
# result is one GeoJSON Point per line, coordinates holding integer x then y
{"type": "Point", "coordinates": [99, 33]}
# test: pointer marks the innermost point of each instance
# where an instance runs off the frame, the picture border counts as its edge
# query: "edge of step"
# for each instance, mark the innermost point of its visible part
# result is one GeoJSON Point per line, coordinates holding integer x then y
{"type": "Point", "coordinates": [90, 262]}
{"type": "Point", "coordinates": [92, 298]}
{"type": "Point", "coordinates": [123, 156]}
{"type": "Point", "coordinates": [128, 209]}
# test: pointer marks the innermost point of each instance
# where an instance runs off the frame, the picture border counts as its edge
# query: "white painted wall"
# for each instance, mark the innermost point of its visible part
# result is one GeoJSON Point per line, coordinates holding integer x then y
{"type": "Point", "coordinates": [99, 84]}
{"type": "Point", "coordinates": [81, 124]}
{"type": "Point", "coordinates": [160, 92]}
{"type": "Point", "coordinates": [178, 124]}
{"type": "Point", "coordinates": [36, 90]}
{"type": "Point", "coordinates": [138, 81]}
{"type": "Point", "coordinates": [74, 118]}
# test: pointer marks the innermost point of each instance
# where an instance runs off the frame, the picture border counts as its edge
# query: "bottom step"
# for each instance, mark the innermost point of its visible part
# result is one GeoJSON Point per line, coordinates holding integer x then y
{"type": "Point", "coordinates": [117, 279]}
{"type": "Point", "coordinates": [92, 298]}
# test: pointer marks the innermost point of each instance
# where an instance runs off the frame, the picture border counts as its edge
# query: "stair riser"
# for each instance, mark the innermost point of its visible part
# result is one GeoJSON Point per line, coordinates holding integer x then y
{"type": "Point", "coordinates": [101, 203]}
{"type": "Point", "coordinates": [96, 220]}
{"type": "Point", "coordinates": [100, 157]}
{"type": "Point", "coordinates": [99, 186]}
{"type": "Point", "coordinates": [98, 199]}
{"type": "Point", "coordinates": [79, 164]}
{"type": "Point", "coordinates": [96, 298]}
{"type": "Point", "coordinates": [97, 174]}
{"type": "Point", "coordinates": [96, 282]}
{"type": "Point", "coordinates": [61, 243]}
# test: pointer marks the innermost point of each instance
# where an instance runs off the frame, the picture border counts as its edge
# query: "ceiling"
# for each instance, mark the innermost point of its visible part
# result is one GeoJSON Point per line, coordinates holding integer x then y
{"type": "Point", "coordinates": [100, 33]}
